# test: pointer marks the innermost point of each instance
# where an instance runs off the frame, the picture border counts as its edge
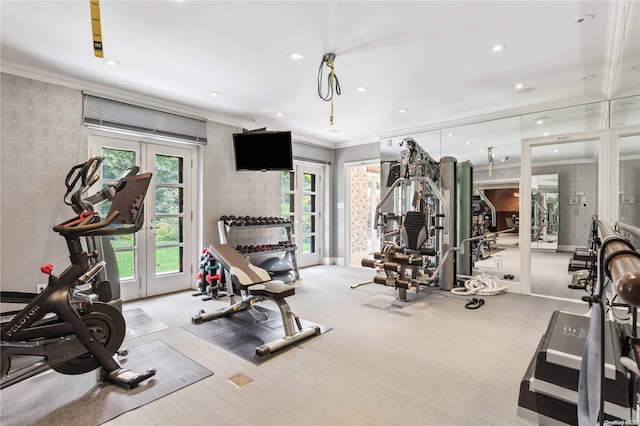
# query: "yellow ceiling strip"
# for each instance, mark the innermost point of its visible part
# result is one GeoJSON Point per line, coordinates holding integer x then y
{"type": "Point", "coordinates": [96, 28]}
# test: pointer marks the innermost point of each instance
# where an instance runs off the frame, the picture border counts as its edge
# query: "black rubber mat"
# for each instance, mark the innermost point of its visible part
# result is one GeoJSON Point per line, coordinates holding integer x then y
{"type": "Point", "coordinates": [57, 399]}
{"type": "Point", "coordinates": [140, 323]}
{"type": "Point", "coordinates": [241, 334]}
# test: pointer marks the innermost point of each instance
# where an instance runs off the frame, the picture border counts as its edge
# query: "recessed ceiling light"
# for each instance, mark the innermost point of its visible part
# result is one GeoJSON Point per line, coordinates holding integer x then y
{"type": "Point", "coordinates": [451, 135]}
{"type": "Point", "coordinates": [361, 89]}
{"type": "Point", "coordinates": [586, 77]}
{"type": "Point", "coordinates": [583, 19]}
{"type": "Point", "coordinates": [539, 122]}
{"type": "Point", "coordinates": [402, 111]}
{"type": "Point", "coordinates": [502, 159]}
{"type": "Point", "coordinates": [468, 143]}
{"type": "Point", "coordinates": [279, 114]}
{"type": "Point", "coordinates": [326, 128]}
{"type": "Point", "coordinates": [526, 90]}
{"type": "Point", "coordinates": [518, 86]}
{"type": "Point", "coordinates": [295, 56]}
{"type": "Point", "coordinates": [555, 150]}
{"type": "Point", "coordinates": [111, 62]}
{"type": "Point", "coordinates": [499, 47]}
{"type": "Point", "coordinates": [546, 134]}
{"type": "Point", "coordinates": [481, 150]}
{"type": "Point", "coordinates": [212, 93]}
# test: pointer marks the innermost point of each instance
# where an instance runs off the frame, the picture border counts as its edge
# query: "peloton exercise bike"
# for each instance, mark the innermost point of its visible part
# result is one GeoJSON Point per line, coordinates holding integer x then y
{"type": "Point", "coordinates": [62, 328]}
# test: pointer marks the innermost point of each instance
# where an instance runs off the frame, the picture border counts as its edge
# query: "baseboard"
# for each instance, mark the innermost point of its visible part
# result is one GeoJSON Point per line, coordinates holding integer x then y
{"type": "Point", "coordinates": [512, 286]}
{"type": "Point", "coordinates": [333, 261]}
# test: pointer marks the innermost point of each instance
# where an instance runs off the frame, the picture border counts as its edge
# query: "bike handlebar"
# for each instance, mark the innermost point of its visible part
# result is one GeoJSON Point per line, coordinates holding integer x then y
{"type": "Point", "coordinates": [78, 180]}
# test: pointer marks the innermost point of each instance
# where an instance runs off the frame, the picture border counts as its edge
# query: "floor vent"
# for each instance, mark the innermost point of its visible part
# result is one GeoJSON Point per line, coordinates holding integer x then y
{"type": "Point", "coordinates": [240, 380]}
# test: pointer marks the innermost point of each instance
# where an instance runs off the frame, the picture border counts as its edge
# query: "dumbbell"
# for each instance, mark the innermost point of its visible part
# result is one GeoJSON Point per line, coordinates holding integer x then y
{"type": "Point", "coordinates": [210, 278]}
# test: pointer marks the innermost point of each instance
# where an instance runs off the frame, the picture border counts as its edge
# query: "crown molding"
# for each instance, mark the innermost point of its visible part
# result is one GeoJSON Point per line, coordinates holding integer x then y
{"type": "Point", "coordinates": [374, 139]}
{"type": "Point", "coordinates": [139, 99]}
{"type": "Point", "coordinates": [620, 19]}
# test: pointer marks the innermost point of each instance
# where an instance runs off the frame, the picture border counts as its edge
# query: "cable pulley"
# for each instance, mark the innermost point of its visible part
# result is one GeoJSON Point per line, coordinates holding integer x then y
{"type": "Point", "coordinates": [332, 80]}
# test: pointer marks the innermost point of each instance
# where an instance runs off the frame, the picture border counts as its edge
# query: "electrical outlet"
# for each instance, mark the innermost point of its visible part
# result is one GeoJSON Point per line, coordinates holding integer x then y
{"type": "Point", "coordinates": [498, 264]}
{"type": "Point", "coordinates": [40, 288]}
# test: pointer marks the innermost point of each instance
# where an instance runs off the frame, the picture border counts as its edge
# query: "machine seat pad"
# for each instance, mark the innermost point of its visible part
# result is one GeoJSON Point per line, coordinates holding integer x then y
{"type": "Point", "coordinates": [273, 289]}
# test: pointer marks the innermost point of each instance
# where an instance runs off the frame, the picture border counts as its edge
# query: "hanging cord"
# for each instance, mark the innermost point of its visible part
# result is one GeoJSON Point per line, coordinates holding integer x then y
{"type": "Point", "coordinates": [490, 154]}
{"type": "Point", "coordinates": [332, 80]}
{"type": "Point", "coordinates": [481, 285]}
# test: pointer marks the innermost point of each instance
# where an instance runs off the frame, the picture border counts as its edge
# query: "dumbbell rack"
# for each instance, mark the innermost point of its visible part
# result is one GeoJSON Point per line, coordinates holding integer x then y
{"type": "Point", "coordinates": [290, 252]}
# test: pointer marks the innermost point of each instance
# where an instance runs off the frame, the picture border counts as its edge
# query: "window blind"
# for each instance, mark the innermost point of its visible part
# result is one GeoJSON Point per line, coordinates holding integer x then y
{"type": "Point", "coordinates": [108, 114]}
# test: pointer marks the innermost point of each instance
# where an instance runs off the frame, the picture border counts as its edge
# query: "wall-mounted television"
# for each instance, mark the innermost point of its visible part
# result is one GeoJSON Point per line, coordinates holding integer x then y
{"type": "Point", "coordinates": [263, 150]}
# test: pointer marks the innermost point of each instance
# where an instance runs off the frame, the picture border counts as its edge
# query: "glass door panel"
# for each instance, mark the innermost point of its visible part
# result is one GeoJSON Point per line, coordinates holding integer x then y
{"type": "Point", "coordinates": [562, 191]}
{"type": "Point", "coordinates": [169, 220]}
{"type": "Point", "coordinates": [309, 219]}
{"type": "Point", "coordinates": [301, 201]}
{"type": "Point", "coordinates": [158, 258]}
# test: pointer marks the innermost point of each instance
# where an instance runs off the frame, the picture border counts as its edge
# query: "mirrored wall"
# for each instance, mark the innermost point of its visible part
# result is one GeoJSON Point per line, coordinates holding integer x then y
{"type": "Point", "coordinates": [625, 116]}
{"type": "Point", "coordinates": [564, 184]}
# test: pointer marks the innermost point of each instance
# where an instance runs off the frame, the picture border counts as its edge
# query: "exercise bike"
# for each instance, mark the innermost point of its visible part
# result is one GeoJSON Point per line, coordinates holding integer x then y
{"type": "Point", "coordinates": [62, 328]}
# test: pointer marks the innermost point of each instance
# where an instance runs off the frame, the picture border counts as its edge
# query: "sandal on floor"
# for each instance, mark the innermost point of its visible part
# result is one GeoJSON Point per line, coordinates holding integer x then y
{"type": "Point", "coordinates": [474, 303]}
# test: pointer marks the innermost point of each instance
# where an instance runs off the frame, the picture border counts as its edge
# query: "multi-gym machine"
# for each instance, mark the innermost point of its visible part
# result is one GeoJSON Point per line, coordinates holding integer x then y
{"type": "Point", "coordinates": [422, 240]}
{"type": "Point", "coordinates": [427, 237]}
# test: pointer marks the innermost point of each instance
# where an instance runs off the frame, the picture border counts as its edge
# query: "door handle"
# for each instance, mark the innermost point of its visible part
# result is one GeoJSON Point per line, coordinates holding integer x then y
{"type": "Point", "coordinates": [152, 227]}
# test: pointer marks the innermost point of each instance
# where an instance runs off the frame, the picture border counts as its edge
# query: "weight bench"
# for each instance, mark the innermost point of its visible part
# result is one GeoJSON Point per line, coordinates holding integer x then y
{"type": "Point", "coordinates": [256, 285]}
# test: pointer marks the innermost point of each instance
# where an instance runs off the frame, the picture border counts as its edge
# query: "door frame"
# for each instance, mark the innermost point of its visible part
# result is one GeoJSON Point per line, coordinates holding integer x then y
{"type": "Point", "coordinates": [195, 193]}
{"type": "Point", "coordinates": [604, 186]}
{"type": "Point", "coordinates": [160, 285]}
{"type": "Point", "coordinates": [614, 157]}
{"type": "Point", "coordinates": [347, 210]}
{"type": "Point", "coordinates": [298, 167]}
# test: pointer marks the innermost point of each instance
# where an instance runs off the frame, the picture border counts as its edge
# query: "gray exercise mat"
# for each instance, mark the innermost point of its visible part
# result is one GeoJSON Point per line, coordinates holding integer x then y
{"type": "Point", "coordinates": [241, 334]}
{"type": "Point", "coordinates": [57, 399]}
{"type": "Point", "coordinates": [140, 323]}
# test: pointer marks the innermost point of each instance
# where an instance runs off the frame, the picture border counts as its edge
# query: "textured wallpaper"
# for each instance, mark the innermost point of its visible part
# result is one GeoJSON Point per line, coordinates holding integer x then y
{"type": "Point", "coordinates": [630, 184]}
{"type": "Point", "coordinates": [359, 211]}
{"type": "Point", "coordinates": [229, 192]}
{"type": "Point", "coordinates": [41, 138]}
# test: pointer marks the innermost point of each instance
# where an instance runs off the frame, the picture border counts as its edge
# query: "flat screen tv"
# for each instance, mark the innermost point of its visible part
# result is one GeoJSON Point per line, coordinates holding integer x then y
{"type": "Point", "coordinates": [263, 150]}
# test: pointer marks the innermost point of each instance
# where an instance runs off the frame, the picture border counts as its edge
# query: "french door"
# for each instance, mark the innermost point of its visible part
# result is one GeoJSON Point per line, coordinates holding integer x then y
{"type": "Point", "coordinates": [302, 202]}
{"type": "Point", "coordinates": [158, 259]}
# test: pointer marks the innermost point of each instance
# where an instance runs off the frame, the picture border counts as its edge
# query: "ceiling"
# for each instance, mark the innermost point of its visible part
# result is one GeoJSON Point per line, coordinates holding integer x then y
{"type": "Point", "coordinates": [434, 59]}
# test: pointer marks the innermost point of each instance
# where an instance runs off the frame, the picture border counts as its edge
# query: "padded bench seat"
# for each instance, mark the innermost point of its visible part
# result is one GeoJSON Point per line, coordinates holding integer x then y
{"type": "Point", "coordinates": [272, 289]}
